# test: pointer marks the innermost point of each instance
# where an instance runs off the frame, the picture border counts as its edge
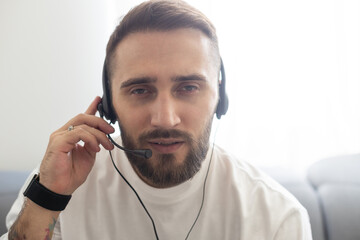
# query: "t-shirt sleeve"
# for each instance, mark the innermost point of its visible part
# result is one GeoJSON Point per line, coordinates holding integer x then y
{"type": "Point", "coordinates": [17, 207]}
{"type": "Point", "coordinates": [295, 226]}
{"type": "Point", "coordinates": [19, 202]}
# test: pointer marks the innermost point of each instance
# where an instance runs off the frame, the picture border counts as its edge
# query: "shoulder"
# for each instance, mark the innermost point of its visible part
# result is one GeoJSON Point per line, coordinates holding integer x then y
{"type": "Point", "coordinates": [252, 185]}
{"type": "Point", "coordinates": [258, 206]}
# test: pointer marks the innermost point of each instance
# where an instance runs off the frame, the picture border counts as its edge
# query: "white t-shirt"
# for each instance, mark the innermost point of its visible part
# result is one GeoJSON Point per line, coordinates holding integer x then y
{"type": "Point", "coordinates": [240, 203]}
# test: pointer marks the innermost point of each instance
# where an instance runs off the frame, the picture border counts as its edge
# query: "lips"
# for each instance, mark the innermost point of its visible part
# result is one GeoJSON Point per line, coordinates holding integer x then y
{"type": "Point", "coordinates": [166, 146]}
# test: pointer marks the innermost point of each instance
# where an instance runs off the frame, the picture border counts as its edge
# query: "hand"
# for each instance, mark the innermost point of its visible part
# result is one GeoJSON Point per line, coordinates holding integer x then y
{"type": "Point", "coordinates": [66, 163]}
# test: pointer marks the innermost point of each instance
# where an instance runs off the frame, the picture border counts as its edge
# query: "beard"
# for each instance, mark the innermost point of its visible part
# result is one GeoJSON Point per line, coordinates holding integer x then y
{"type": "Point", "coordinates": [163, 170]}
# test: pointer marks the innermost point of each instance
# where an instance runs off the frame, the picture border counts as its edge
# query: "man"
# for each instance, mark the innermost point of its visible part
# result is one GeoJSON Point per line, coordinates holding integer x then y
{"type": "Point", "coordinates": [161, 83]}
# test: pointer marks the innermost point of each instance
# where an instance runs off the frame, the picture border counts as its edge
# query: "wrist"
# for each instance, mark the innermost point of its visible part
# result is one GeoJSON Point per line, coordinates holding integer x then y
{"type": "Point", "coordinates": [56, 186]}
{"type": "Point", "coordinates": [44, 197]}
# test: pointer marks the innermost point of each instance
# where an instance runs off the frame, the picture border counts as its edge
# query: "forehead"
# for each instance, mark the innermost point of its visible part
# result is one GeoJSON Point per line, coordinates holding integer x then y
{"type": "Point", "coordinates": [183, 50]}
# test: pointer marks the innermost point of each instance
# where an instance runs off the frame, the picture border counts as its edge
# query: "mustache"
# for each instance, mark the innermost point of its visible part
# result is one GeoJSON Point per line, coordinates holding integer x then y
{"type": "Point", "coordinates": [165, 133]}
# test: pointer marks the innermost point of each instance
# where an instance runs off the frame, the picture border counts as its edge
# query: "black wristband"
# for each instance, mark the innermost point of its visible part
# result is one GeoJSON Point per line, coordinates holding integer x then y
{"type": "Point", "coordinates": [44, 197]}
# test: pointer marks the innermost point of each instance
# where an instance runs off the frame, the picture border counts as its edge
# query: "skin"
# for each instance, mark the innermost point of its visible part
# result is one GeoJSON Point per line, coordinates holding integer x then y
{"type": "Point", "coordinates": [164, 80]}
{"type": "Point", "coordinates": [64, 168]}
{"type": "Point", "coordinates": [163, 103]}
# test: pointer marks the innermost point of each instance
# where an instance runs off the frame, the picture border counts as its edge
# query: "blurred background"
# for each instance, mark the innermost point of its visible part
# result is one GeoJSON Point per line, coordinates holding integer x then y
{"type": "Point", "coordinates": [293, 75]}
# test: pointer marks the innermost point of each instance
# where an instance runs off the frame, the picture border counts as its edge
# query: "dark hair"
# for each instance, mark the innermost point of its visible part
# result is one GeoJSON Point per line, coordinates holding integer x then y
{"type": "Point", "coordinates": [160, 15]}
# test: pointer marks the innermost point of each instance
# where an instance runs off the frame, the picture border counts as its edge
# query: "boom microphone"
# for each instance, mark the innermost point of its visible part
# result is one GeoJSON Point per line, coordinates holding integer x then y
{"type": "Point", "coordinates": [145, 153]}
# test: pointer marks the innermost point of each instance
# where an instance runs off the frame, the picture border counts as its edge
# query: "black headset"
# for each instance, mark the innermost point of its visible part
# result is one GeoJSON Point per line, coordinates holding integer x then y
{"type": "Point", "coordinates": [105, 106]}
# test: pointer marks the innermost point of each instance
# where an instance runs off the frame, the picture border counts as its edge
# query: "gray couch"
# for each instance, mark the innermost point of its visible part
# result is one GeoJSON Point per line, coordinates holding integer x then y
{"type": "Point", "coordinates": [330, 192]}
{"type": "Point", "coordinates": [10, 184]}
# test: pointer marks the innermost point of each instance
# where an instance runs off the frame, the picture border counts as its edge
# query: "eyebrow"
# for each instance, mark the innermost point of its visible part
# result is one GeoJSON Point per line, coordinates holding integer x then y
{"type": "Point", "coordinates": [137, 80]}
{"type": "Point", "coordinates": [144, 80]}
{"type": "Point", "coordinates": [197, 77]}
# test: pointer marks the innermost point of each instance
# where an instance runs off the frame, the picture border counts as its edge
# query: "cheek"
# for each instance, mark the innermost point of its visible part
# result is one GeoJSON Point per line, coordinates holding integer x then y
{"type": "Point", "coordinates": [130, 118]}
{"type": "Point", "coordinates": [133, 121]}
{"type": "Point", "coordinates": [197, 116]}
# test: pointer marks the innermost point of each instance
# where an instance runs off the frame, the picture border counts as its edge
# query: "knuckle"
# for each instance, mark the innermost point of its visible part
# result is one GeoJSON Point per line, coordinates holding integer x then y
{"type": "Point", "coordinates": [81, 127]}
{"type": "Point", "coordinates": [53, 136]}
{"type": "Point", "coordinates": [81, 116]}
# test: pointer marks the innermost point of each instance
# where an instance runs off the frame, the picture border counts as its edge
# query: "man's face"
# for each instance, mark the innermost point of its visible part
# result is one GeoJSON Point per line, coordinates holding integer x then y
{"type": "Point", "coordinates": [164, 91]}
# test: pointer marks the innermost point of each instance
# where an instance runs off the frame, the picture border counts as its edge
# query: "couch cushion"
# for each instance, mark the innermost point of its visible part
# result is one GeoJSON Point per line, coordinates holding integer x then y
{"type": "Point", "coordinates": [11, 182]}
{"type": "Point", "coordinates": [341, 204]}
{"type": "Point", "coordinates": [341, 169]}
{"type": "Point", "coordinates": [337, 181]}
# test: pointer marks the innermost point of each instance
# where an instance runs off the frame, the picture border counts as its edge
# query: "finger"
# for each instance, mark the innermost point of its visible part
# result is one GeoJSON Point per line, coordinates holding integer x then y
{"type": "Point", "coordinates": [93, 106]}
{"type": "Point", "coordinates": [89, 120]}
{"type": "Point", "coordinates": [99, 135]}
{"type": "Point", "coordinates": [68, 140]}
{"type": "Point", "coordinates": [88, 149]}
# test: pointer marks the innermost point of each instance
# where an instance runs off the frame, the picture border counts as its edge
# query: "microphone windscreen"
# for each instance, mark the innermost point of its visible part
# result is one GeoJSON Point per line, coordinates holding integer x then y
{"type": "Point", "coordinates": [146, 153]}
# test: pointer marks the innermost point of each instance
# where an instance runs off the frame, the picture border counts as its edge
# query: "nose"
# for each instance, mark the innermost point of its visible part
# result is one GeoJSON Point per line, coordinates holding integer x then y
{"type": "Point", "coordinates": [165, 112]}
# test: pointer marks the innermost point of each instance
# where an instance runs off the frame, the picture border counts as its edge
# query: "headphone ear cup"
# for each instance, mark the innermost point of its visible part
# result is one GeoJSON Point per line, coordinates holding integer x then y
{"type": "Point", "coordinates": [222, 106]}
{"type": "Point", "coordinates": [105, 107]}
{"type": "Point", "coordinates": [105, 111]}
{"type": "Point", "coordinates": [223, 103]}
{"type": "Point", "coordinates": [100, 109]}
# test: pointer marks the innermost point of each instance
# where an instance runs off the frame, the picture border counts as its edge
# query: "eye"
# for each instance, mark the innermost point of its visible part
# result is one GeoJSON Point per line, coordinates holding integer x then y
{"type": "Point", "coordinates": [139, 91]}
{"type": "Point", "coordinates": [188, 89]}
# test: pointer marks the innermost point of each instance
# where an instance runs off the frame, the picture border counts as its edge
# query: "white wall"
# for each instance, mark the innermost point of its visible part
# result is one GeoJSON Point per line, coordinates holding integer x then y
{"type": "Point", "coordinates": [51, 55]}
{"type": "Point", "coordinates": [292, 69]}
